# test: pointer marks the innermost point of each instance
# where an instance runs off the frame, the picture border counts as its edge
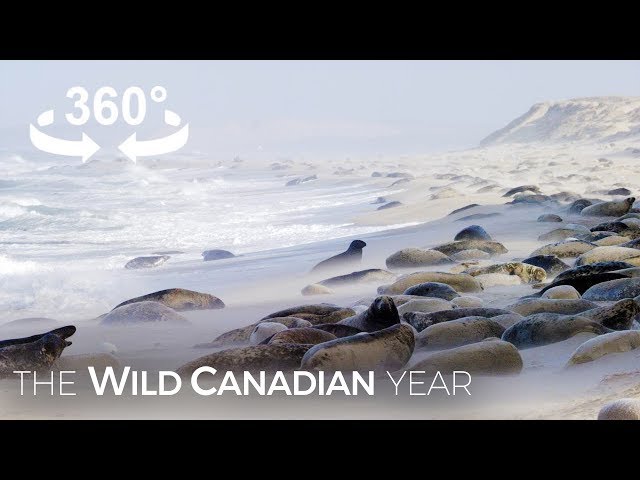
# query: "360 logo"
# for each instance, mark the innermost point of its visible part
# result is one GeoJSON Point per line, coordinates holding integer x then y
{"type": "Point", "coordinates": [106, 112]}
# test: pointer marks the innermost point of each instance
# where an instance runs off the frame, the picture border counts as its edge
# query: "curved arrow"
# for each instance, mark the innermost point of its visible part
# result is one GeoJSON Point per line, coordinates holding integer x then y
{"type": "Point", "coordinates": [84, 148]}
{"type": "Point", "coordinates": [133, 149]}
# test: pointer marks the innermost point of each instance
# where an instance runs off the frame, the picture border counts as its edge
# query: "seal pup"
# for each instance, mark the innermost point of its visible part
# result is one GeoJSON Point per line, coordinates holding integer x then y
{"type": "Point", "coordinates": [382, 313]}
{"type": "Point", "coordinates": [385, 350]}
{"type": "Point", "coordinates": [352, 256]}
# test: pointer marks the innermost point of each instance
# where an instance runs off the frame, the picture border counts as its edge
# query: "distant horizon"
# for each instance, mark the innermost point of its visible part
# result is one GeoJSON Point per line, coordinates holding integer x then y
{"type": "Point", "coordinates": [298, 108]}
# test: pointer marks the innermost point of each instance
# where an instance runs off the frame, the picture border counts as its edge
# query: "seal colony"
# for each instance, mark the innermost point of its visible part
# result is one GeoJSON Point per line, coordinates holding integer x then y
{"type": "Point", "coordinates": [480, 295]}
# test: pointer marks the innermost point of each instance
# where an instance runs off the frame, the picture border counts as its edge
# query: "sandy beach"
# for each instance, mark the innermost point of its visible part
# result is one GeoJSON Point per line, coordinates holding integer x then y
{"type": "Point", "coordinates": [70, 275]}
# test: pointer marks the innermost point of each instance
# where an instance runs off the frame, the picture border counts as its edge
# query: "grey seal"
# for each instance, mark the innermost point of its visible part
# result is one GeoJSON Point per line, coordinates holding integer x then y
{"type": "Point", "coordinates": [545, 328]}
{"type": "Point", "coordinates": [146, 262]}
{"type": "Point", "coordinates": [473, 232]}
{"type": "Point", "coordinates": [488, 357]}
{"type": "Point", "coordinates": [352, 256]}
{"type": "Point", "coordinates": [382, 313]}
{"type": "Point", "coordinates": [268, 358]}
{"type": "Point", "coordinates": [179, 299]}
{"type": "Point", "coordinates": [385, 350]}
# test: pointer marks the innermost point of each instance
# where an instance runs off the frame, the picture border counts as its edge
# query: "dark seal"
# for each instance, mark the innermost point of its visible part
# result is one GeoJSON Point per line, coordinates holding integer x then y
{"type": "Point", "coordinates": [352, 256]}
{"type": "Point", "coordinates": [382, 313]}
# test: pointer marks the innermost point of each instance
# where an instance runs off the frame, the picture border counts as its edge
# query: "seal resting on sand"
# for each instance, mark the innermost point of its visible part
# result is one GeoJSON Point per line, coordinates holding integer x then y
{"type": "Point", "coordinates": [21, 354]}
{"type": "Point", "coordinates": [614, 208]}
{"type": "Point", "coordinates": [179, 299]}
{"type": "Point", "coordinates": [546, 328]}
{"type": "Point", "coordinates": [382, 313]}
{"type": "Point", "coordinates": [270, 358]}
{"type": "Point", "coordinates": [388, 349]}
{"type": "Point", "coordinates": [352, 256]}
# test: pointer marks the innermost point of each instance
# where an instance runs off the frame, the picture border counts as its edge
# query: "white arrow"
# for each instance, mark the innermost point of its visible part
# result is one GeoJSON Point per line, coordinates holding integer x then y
{"type": "Point", "coordinates": [133, 149]}
{"type": "Point", "coordinates": [84, 148]}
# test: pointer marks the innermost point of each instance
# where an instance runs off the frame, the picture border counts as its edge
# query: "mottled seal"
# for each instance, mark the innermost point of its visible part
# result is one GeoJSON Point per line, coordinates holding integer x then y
{"type": "Point", "coordinates": [264, 331]}
{"type": "Point", "coordinates": [147, 262]}
{"type": "Point", "coordinates": [527, 272]}
{"type": "Point", "coordinates": [352, 256]}
{"type": "Point", "coordinates": [216, 254]}
{"type": "Point", "coordinates": [529, 306]}
{"type": "Point", "coordinates": [622, 409]}
{"type": "Point", "coordinates": [545, 328]}
{"type": "Point", "coordinates": [142, 312]}
{"type": "Point", "coordinates": [551, 264]}
{"type": "Point", "coordinates": [583, 283]}
{"type": "Point", "coordinates": [304, 336]}
{"type": "Point", "coordinates": [613, 208]}
{"type": "Point", "coordinates": [488, 357]}
{"type": "Point", "coordinates": [598, 347]}
{"type": "Point", "coordinates": [425, 305]}
{"type": "Point", "coordinates": [362, 276]}
{"type": "Point", "coordinates": [610, 254]}
{"type": "Point", "coordinates": [614, 290]}
{"type": "Point", "coordinates": [242, 334]}
{"type": "Point", "coordinates": [473, 232]}
{"type": "Point", "coordinates": [385, 350]}
{"type": "Point", "coordinates": [315, 313]}
{"type": "Point", "coordinates": [268, 358]}
{"type": "Point", "coordinates": [566, 248]}
{"type": "Point", "coordinates": [420, 320]}
{"type": "Point", "coordinates": [38, 355]}
{"type": "Point", "coordinates": [492, 248]}
{"type": "Point", "coordinates": [455, 333]}
{"type": "Point", "coordinates": [432, 289]}
{"type": "Point", "coordinates": [619, 316]}
{"type": "Point", "coordinates": [593, 268]}
{"type": "Point", "coordinates": [382, 313]}
{"type": "Point", "coordinates": [179, 299]}
{"type": "Point", "coordinates": [460, 282]}
{"type": "Point", "coordinates": [417, 257]}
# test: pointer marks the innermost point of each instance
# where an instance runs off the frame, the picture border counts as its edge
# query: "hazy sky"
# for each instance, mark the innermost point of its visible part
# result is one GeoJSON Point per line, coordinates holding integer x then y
{"type": "Point", "coordinates": [317, 107]}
